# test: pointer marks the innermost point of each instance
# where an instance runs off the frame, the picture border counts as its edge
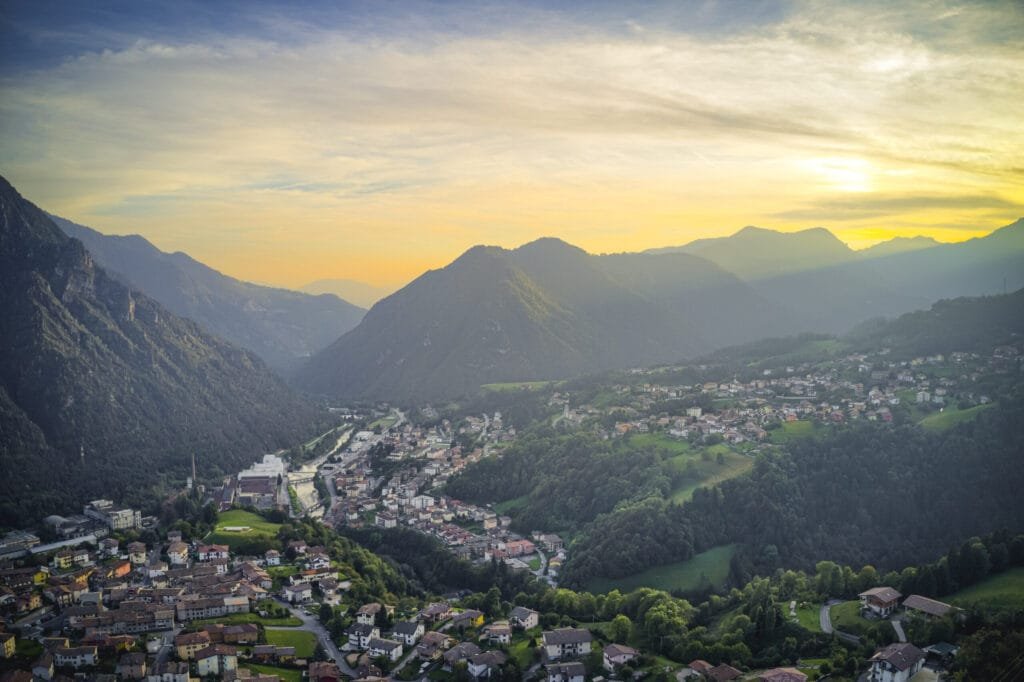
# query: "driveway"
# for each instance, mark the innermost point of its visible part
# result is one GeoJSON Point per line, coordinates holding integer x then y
{"type": "Point", "coordinates": [312, 624]}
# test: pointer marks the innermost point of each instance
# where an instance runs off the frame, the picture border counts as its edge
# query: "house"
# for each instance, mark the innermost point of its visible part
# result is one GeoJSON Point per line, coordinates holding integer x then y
{"type": "Point", "coordinates": [566, 643]}
{"type": "Point", "coordinates": [7, 645]}
{"type": "Point", "coordinates": [42, 669]}
{"type": "Point", "coordinates": [367, 613]}
{"type": "Point", "coordinates": [484, 664]}
{"type": "Point", "coordinates": [169, 671]}
{"type": "Point", "coordinates": [617, 655]}
{"type": "Point", "coordinates": [499, 632]}
{"type": "Point", "coordinates": [436, 612]}
{"type": "Point", "coordinates": [408, 632]}
{"type": "Point", "coordinates": [216, 659]}
{"type": "Point", "coordinates": [360, 634]}
{"type": "Point", "coordinates": [318, 561]}
{"type": "Point", "coordinates": [75, 657]}
{"type": "Point", "coordinates": [723, 673]}
{"type": "Point", "coordinates": [388, 648]}
{"type": "Point", "coordinates": [432, 644]}
{"type": "Point", "coordinates": [131, 666]}
{"type": "Point", "coordinates": [137, 553]}
{"type": "Point", "coordinates": [297, 594]}
{"type": "Point", "coordinates": [470, 618]}
{"type": "Point", "coordinates": [324, 671]}
{"type": "Point", "coordinates": [177, 552]}
{"type": "Point", "coordinates": [188, 643]}
{"type": "Point", "coordinates": [208, 552]}
{"type": "Point", "coordinates": [523, 618]}
{"type": "Point", "coordinates": [566, 672]}
{"type": "Point", "coordinates": [243, 633]}
{"type": "Point", "coordinates": [782, 675]}
{"type": "Point", "coordinates": [895, 663]}
{"type": "Point", "coordinates": [272, 557]}
{"type": "Point", "coordinates": [460, 652]}
{"type": "Point", "coordinates": [928, 607]}
{"type": "Point", "coordinates": [880, 601]}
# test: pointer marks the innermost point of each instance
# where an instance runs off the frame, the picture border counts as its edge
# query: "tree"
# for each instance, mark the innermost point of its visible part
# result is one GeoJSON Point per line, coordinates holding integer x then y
{"type": "Point", "coordinates": [620, 628]}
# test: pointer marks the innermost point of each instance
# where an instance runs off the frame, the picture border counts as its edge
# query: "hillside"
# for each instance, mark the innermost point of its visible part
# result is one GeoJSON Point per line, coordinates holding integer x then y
{"type": "Point", "coordinates": [546, 309]}
{"type": "Point", "coordinates": [279, 325]}
{"type": "Point", "coordinates": [88, 364]}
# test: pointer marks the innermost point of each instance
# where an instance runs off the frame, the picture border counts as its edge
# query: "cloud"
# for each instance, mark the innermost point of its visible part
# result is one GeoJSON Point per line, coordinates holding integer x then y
{"type": "Point", "coordinates": [859, 207]}
{"type": "Point", "coordinates": [488, 113]}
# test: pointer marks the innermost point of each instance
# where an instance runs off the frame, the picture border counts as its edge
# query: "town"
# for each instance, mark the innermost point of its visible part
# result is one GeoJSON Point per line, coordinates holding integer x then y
{"type": "Point", "coordinates": [114, 594]}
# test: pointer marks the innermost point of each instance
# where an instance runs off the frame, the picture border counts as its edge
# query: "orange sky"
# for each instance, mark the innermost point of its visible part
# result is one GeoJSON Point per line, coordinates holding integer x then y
{"type": "Point", "coordinates": [306, 150]}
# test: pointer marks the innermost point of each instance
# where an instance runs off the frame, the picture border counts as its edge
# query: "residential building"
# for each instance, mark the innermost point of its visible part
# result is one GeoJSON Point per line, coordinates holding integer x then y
{"type": "Point", "coordinates": [486, 663]}
{"type": "Point", "coordinates": [880, 601]}
{"type": "Point", "coordinates": [188, 643]}
{"type": "Point", "coordinates": [566, 672]}
{"type": "Point", "coordinates": [617, 655]}
{"type": "Point", "coordinates": [216, 659]}
{"type": "Point", "coordinates": [408, 632]}
{"type": "Point", "coordinates": [895, 663]}
{"type": "Point", "coordinates": [388, 648]}
{"type": "Point", "coordinates": [131, 666]}
{"type": "Point", "coordinates": [566, 643]}
{"type": "Point", "coordinates": [7, 645]}
{"type": "Point", "coordinates": [928, 607]}
{"type": "Point", "coordinates": [75, 657]}
{"type": "Point", "coordinates": [524, 618]}
{"type": "Point", "coordinates": [360, 634]}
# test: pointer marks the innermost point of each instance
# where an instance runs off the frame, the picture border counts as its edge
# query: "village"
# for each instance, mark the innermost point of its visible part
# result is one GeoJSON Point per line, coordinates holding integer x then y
{"type": "Point", "coordinates": [88, 605]}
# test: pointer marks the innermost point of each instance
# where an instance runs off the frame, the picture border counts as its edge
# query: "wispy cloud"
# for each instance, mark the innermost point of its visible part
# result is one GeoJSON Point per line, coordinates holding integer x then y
{"type": "Point", "coordinates": [481, 117]}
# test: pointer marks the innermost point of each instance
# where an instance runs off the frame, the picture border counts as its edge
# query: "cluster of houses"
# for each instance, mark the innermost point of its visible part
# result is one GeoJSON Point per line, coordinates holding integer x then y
{"type": "Point", "coordinates": [423, 460]}
{"type": "Point", "coordinates": [115, 599]}
{"type": "Point", "coordinates": [857, 386]}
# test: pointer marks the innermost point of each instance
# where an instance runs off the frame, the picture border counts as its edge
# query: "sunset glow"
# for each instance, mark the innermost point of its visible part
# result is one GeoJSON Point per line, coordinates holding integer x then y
{"type": "Point", "coordinates": [373, 141]}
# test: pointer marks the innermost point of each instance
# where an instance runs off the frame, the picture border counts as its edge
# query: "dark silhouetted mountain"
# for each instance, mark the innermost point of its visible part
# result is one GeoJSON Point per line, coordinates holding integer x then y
{"type": "Point", "coordinates": [88, 364]}
{"type": "Point", "coordinates": [360, 293]}
{"type": "Point", "coordinates": [546, 309]}
{"type": "Point", "coordinates": [281, 326]}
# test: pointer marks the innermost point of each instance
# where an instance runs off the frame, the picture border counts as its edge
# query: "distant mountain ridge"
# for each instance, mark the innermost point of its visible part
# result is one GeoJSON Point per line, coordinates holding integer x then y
{"type": "Point", "coordinates": [281, 326]}
{"type": "Point", "coordinates": [105, 393]}
{"type": "Point", "coordinates": [547, 309]}
{"type": "Point", "coordinates": [550, 310]}
{"type": "Point", "coordinates": [359, 293]}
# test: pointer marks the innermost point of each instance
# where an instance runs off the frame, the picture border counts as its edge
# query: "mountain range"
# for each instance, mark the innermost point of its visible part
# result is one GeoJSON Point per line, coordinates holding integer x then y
{"type": "Point", "coordinates": [104, 392]}
{"type": "Point", "coordinates": [283, 327]}
{"type": "Point", "coordinates": [360, 293]}
{"type": "Point", "coordinates": [550, 310]}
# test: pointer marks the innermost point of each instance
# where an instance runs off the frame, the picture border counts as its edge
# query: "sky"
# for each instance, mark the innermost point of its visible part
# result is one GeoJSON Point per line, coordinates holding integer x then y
{"type": "Point", "coordinates": [285, 143]}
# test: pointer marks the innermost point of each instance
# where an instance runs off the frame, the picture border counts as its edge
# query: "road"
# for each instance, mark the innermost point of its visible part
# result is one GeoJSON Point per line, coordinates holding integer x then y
{"type": "Point", "coordinates": [898, 627]}
{"type": "Point", "coordinates": [824, 619]}
{"type": "Point", "coordinates": [167, 647]}
{"type": "Point", "coordinates": [312, 624]}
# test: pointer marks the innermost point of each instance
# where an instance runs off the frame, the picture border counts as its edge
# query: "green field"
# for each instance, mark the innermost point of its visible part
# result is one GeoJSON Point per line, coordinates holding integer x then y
{"type": "Point", "coordinates": [790, 431]}
{"type": "Point", "coordinates": [257, 526]}
{"type": "Point", "coordinates": [711, 567]}
{"type": "Point", "coordinates": [711, 472]}
{"type": "Point", "coordinates": [1002, 592]}
{"type": "Point", "coordinates": [808, 616]}
{"type": "Point", "coordinates": [846, 617]}
{"type": "Point", "coordinates": [286, 674]}
{"type": "Point", "coordinates": [950, 417]}
{"type": "Point", "coordinates": [518, 385]}
{"type": "Point", "coordinates": [650, 441]}
{"type": "Point", "coordinates": [303, 641]}
{"type": "Point", "coordinates": [521, 652]}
